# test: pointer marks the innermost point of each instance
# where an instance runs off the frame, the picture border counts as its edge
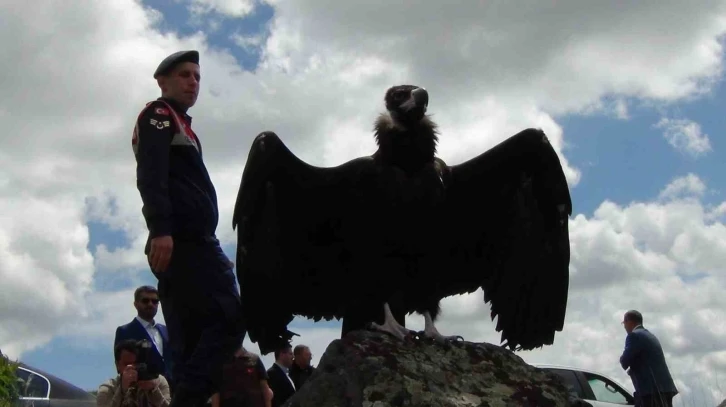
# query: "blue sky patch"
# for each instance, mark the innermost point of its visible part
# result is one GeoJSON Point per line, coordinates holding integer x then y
{"type": "Point", "coordinates": [100, 233]}
{"type": "Point", "coordinates": [630, 160]}
{"type": "Point", "coordinates": [242, 37]}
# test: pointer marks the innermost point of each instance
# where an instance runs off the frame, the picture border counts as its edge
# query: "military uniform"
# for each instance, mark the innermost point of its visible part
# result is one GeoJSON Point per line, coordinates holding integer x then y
{"type": "Point", "coordinates": [198, 294]}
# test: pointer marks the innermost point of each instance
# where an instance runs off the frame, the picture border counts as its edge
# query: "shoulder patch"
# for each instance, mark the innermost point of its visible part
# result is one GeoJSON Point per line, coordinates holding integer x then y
{"type": "Point", "coordinates": [162, 111]}
{"type": "Point", "coordinates": [159, 124]}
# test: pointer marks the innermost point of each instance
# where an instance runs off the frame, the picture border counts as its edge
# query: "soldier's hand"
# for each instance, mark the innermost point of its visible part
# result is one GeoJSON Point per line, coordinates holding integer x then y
{"type": "Point", "coordinates": [160, 253]}
{"type": "Point", "coordinates": [128, 377]}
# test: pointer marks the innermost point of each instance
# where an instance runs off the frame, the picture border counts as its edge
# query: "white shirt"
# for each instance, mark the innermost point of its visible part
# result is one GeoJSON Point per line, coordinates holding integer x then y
{"type": "Point", "coordinates": [154, 333]}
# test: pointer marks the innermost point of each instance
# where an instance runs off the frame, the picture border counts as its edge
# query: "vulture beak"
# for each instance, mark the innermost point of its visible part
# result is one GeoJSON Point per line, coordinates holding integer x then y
{"type": "Point", "coordinates": [415, 106]}
{"type": "Point", "coordinates": [420, 98]}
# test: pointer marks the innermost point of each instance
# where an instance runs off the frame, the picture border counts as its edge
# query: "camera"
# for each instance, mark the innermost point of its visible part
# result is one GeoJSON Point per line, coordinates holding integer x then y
{"type": "Point", "coordinates": [144, 371]}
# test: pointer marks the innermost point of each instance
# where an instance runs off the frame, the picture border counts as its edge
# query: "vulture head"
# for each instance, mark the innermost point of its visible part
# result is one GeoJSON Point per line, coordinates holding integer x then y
{"type": "Point", "coordinates": [404, 133]}
{"type": "Point", "coordinates": [406, 104]}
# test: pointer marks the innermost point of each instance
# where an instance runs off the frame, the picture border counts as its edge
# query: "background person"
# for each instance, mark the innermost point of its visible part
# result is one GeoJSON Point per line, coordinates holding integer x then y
{"type": "Point", "coordinates": [301, 369]}
{"type": "Point", "coordinates": [125, 390]}
{"type": "Point", "coordinates": [279, 376]}
{"type": "Point", "coordinates": [644, 357]}
{"type": "Point", "coordinates": [143, 326]}
{"type": "Point", "coordinates": [244, 382]}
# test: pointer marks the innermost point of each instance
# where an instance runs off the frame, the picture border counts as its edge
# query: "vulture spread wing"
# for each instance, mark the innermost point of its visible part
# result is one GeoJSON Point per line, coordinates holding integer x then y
{"type": "Point", "coordinates": [298, 227]}
{"type": "Point", "coordinates": [505, 229]}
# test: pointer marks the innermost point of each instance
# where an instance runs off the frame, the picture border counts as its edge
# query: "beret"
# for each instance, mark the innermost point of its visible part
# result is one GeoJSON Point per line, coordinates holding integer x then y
{"type": "Point", "coordinates": [174, 59]}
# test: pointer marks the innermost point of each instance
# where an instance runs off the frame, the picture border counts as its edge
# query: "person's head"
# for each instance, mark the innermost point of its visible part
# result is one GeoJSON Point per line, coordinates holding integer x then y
{"type": "Point", "coordinates": [178, 78]}
{"type": "Point", "coordinates": [125, 354]}
{"type": "Point", "coordinates": [284, 355]}
{"type": "Point", "coordinates": [302, 355]}
{"type": "Point", "coordinates": [241, 351]}
{"type": "Point", "coordinates": [631, 319]}
{"type": "Point", "coordinates": [146, 302]}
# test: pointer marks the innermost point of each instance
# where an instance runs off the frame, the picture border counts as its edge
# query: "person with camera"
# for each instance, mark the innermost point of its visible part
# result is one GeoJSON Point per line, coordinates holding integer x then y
{"type": "Point", "coordinates": [135, 385]}
{"type": "Point", "coordinates": [143, 326]}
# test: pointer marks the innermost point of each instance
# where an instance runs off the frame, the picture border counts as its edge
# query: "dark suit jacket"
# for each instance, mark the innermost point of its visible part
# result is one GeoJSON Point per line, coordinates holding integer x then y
{"type": "Point", "coordinates": [279, 383]}
{"type": "Point", "coordinates": [299, 375]}
{"type": "Point", "coordinates": [134, 330]}
{"type": "Point", "coordinates": [648, 369]}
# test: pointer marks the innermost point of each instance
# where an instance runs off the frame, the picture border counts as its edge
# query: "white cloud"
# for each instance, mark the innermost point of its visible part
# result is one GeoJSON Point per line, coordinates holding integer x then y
{"type": "Point", "coordinates": [232, 8]}
{"type": "Point", "coordinates": [247, 42]}
{"type": "Point", "coordinates": [621, 109]}
{"type": "Point", "coordinates": [688, 185]}
{"type": "Point", "coordinates": [685, 135]}
{"type": "Point", "coordinates": [76, 75]}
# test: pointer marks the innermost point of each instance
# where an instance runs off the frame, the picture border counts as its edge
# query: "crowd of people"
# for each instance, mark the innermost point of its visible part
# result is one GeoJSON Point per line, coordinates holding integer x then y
{"type": "Point", "coordinates": [142, 347]}
{"type": "Point", "coordinates": [145, 379]}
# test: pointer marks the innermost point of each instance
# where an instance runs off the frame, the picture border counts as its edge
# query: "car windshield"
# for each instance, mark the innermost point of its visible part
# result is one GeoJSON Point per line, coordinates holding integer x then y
{"type": "Point", "coordinates": [605, 390]}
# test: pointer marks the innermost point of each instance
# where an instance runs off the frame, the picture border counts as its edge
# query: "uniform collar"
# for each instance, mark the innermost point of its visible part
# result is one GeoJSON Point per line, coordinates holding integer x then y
{"type": "Point", "coordinates": [173, 103]}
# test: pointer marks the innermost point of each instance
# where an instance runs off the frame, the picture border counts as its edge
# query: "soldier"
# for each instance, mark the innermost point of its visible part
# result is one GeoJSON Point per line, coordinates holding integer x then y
{"type": "Point", "coordinates": [199, 298]}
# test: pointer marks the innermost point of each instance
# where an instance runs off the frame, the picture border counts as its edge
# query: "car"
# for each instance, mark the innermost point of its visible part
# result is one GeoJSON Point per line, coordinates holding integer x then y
{"type": "Point", "coordinates": [594, 388]}
{"type": "Point", "coordinates": [40, 389]}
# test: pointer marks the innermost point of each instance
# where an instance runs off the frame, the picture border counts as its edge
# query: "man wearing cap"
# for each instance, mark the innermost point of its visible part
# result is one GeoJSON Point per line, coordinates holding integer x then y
{"type": "Point", "coordinates": [199, 298]}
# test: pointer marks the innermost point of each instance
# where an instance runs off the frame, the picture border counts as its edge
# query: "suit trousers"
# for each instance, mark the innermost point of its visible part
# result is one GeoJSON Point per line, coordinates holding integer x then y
{"type": "Point", "coordinates": [201, 306]}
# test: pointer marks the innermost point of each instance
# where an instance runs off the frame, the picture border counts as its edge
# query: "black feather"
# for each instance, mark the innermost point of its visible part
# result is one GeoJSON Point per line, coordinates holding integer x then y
{"type": "Point", "coordinates": [402, 227]}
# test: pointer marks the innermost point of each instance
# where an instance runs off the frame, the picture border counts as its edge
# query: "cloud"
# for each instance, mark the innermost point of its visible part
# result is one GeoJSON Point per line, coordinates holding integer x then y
{"type": "Point", "coordinates": [247, 42]}
{"type": "Point", "coordinates": [232, 8]}
{"type": "Point", "coordinates": [75, 76]}
{"type": "Point", "coordinates": [685, 135]}
{"type": "Point", "coordinates": [690, 185]}
{"type": "Point", "coordinates": [481, 50]}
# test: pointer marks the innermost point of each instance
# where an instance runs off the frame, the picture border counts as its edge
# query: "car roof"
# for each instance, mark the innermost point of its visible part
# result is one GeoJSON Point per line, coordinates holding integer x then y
{"type": "Point", "coordinates": [59, 388]}
{"type": "Point", "coordinates": [577, 369]}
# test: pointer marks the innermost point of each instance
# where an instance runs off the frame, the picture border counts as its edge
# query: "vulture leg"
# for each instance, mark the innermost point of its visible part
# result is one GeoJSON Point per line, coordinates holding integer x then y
{"type": "Point", "coordinates": [431, 332]}
{"type": "Point", "coordinates": [390, 325]}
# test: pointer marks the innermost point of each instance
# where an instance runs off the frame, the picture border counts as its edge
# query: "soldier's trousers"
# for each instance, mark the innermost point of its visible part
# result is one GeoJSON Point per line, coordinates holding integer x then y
{"type": "Point", "coordinates": [201, 305]}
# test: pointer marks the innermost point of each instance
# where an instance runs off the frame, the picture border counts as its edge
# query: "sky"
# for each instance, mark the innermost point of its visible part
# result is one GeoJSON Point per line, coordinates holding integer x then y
{"type": "Point", "coordinates": [632, 98]}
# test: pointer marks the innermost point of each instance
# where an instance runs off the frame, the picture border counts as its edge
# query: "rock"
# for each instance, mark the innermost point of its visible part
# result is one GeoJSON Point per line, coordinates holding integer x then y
{"type": "Point", "coordinates": [373, 369]}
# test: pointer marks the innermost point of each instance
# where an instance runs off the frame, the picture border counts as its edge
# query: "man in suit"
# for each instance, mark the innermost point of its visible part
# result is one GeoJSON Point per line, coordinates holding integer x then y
{"type": "Point", "coordinates": [146, 302]}
{"type": "Point", "coordinates": [279, 376]}
{"type": "Point", "coordinates": [301, 369]}
{"type": "Point", "coordinates": [644, 357]}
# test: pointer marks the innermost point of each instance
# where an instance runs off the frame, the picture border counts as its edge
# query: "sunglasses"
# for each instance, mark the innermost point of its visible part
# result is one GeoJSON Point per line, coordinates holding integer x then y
{"type": "Point", "coordinates": [148, 300]}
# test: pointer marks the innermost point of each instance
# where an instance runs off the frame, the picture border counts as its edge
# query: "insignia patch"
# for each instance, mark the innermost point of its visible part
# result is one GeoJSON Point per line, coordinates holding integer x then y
{"type": "Point", "coordinates": [162, 111]}
{"type": "Point", "coordinates": [159, 124]}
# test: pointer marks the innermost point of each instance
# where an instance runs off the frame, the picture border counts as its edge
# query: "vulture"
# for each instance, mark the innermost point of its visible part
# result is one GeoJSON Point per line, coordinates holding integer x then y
{"type": "Point", "coordinates": [379, 237]}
